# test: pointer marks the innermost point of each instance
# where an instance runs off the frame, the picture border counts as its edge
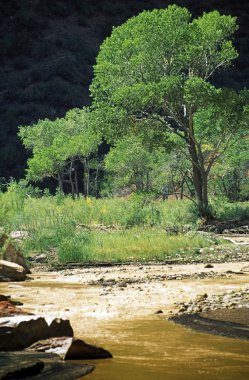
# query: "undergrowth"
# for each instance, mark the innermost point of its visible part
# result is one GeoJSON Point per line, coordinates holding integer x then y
{"type": "Point", "coordinates": [137, 228]}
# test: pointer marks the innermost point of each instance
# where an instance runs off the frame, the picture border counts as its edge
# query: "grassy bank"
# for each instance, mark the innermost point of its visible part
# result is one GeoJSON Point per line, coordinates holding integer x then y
{"type": "Point", "coordinates": [138, 228]}
{"type": "Point", "coordinates": [135, 244]}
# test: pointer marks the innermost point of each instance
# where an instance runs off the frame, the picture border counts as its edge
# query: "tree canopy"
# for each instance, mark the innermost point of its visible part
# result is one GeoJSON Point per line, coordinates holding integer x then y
{"type": "Point", "coordinates": [56, 145]}
{"type": "Point", "coordinates": [156, 72]}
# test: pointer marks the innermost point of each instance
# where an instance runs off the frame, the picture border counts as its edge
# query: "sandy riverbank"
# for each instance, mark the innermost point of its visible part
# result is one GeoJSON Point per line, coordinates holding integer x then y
{"type": "Point", "coordinates": [90, 297]}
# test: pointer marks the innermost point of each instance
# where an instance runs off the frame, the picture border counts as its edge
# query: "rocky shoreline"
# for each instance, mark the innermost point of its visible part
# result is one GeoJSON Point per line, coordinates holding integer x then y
{"type": "Point", "coordinates": [225, 314]}
{"type": "Point", "coordinates": [206, 291]}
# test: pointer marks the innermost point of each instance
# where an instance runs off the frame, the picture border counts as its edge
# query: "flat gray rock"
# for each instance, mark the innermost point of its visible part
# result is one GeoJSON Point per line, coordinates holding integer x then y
{"type": "Point", "coordinates": [70, 348]}
{"type": "Point", "coordinates": [36, 366]}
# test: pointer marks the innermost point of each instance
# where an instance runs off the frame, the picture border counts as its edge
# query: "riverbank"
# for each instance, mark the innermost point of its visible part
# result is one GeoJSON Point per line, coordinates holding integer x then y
{"type": "Point", "coordinates": [125, 309]}
{"type": "Point", "coordinates": [99, 294]}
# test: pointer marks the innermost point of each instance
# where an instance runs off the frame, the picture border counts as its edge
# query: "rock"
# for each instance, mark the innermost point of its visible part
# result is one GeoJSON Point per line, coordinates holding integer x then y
{"type": "Point", "coordinates": [245, 269]}
{"type": "Point", "coordinates": [122, 284]}
{"type": "Point", "coordinates": [59, 327]}
{"type": "Point", "coordinates": [12, 254]}
{"type": "Point", "coordinates": [63, 371]}
{"type": "Point", "coordinates": [214, 326]}
{"type": "Point", "coordinates": [8, 298]}
{"type": "Point", "coordinates": [10, 271]}
{"type": "Point", "coordinates": [35, 366]}
{"type": "Point", "coordinates": [182, 309]}
{"type": "Point", "coordinates": [4, 298]}
{"type": "Point", "coordinates": [159, 312]}
{"type": "Point", "coordinates": [69, 348]}
{"type": "Point", "coordinates": [201, 297]}
{"type": "Point", "coordinates": [18, 234]}
{"type": "Point", "coordinates": [40, 258]}
{"type": "Point", "coordinates": [17, 366]}
{"type": "Point", "coordinates": [19, 332]}
{"type": "Point", "coordinates": [208, 266]}
{"type": "Point", "coordinates": [8, 308]}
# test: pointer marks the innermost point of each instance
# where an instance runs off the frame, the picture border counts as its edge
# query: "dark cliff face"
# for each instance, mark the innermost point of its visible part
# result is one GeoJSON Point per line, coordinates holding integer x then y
{"type": "Point", "coordinates": [48, 49]}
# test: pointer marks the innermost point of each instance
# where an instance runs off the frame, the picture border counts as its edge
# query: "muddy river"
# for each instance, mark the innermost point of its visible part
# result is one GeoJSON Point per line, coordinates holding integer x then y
{"type": "Point", "coordinates": [160, 350]}
{"type": "Point", "coordinates": [145, 345]}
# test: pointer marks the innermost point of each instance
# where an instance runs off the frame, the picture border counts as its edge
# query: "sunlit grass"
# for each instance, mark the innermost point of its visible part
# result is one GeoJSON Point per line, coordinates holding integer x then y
{"type": "Point", "coordinates": [128, 245]}
{"type": "Point", "coordinates": [139, 245]}
{"type": "Point", "coordinates": [134, 229]}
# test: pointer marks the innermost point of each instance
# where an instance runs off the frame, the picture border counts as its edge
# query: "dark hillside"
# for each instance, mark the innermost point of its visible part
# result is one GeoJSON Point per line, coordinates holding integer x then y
{"type": "Point", "coordinates": [48, 49]}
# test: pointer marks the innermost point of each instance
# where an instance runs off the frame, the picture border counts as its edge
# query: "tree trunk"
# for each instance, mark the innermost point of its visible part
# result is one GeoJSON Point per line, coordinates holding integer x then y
{"type": "Point", "coordinates": [76, 182]}
{"type": "Point", "coordinates": [200, 181]}
{"type": "Point", "coordinates": [96, 183]}
{"type": "Point", "coordinates": [60, 182]}
{"type": "Point", "coordinates": [86, 178]}
{"type": "Point", "coordinates": [71, 179]}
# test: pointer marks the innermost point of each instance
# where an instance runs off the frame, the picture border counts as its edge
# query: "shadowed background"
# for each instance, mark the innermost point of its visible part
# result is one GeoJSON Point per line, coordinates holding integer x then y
{"type": "Point", "coordinates": [48, 50]}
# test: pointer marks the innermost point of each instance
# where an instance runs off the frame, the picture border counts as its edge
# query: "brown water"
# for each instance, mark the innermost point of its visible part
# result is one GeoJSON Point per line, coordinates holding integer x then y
{"type": "Point", "coordinates": [160, 350]}
{"type": "Point", "coordinates": [145, 346]}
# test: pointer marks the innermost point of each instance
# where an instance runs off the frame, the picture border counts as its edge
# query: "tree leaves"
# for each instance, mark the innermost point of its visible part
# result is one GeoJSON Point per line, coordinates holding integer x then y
{"type": "Point", "coordinates": [55, 143]}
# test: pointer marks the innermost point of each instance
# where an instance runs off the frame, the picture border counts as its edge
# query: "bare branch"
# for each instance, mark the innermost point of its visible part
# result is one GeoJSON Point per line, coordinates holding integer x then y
{"type": "Point", "coordinates": [186, 196]}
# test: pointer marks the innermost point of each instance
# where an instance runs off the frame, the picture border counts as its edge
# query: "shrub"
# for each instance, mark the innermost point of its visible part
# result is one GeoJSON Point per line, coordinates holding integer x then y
{"type": "Point", "coordinates": [225, 210]}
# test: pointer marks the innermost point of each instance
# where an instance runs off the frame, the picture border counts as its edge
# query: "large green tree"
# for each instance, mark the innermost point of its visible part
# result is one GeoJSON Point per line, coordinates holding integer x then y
{"type": "Point", "coordinates": [156, 71]}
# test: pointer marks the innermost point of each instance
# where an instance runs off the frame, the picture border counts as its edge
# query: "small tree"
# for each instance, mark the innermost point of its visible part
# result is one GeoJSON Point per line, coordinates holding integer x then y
{"type": "Point", "coordinates": [155, 70]}
{"type": "Point", "coordinates": [57, 145]}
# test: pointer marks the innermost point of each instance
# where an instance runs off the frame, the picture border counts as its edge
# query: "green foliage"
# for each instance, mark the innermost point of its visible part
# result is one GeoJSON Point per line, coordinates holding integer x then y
{"type": "Point", "coordinates": [12, 203]}
{"type": "Point", "coordinates": [229, 177]}
{"type": "Point", "coordinates": [49, 220]}
{"type": "Point", "coordinates": [160, 45]}
{"type": "Point", "coordinates": [145, 245]}
{"type": "Point", "coordinates": [115, 229]}
{"type": "Point", "coordinates": [76, 248]}
{"type": "Point", "coordinates": [236, 211]}
{"type": "Point", "coordinates": [55, 143]}
{"type": "Point", "coordinates": [132, 166]}
{"type": "Point", "coordinates": [155, 69]}
{"type": "Point", "coordinates": [29, 91]}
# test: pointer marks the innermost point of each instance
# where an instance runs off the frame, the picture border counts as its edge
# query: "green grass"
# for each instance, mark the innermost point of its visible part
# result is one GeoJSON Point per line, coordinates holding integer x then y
{"type": "Point", "coordinates": [61, 223]}
{"type": "Point", "coordinates": [138, 228]}
{"type": "Point", "coordinates": [142, 245]}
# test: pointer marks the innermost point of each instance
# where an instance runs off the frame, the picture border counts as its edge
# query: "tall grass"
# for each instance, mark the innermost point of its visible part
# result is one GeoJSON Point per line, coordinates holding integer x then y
{"type": "Point", "coordinates": [140, 226]}
{"type": "Point", "coordinates": [33, 212]}
{"type": "Point", "coordinates": [139, 244]}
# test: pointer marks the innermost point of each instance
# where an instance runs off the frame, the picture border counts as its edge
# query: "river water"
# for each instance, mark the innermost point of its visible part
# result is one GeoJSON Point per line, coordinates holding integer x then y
{"type": "Point", "coordinates": [144, 347]}
{"type": "Point", "coordinates": [161, 350]}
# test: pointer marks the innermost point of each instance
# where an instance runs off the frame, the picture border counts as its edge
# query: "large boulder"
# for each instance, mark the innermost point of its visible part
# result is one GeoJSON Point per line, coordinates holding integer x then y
{"type": "Point", "coordinates": [11, 253]}
{"type": "Point", "coordinates": [70, 348]}
{"type": "Point", "coordinates": [19, 332]}
{"type": "Point", "coordinates": [11, 272]}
